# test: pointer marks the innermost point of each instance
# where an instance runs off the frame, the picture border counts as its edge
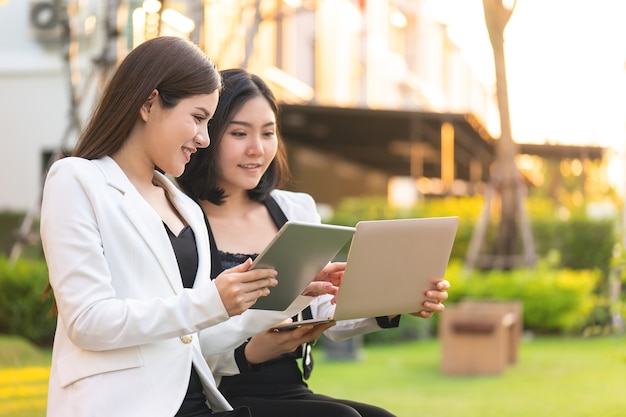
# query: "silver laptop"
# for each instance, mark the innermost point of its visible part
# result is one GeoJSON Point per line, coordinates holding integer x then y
{"type": "Point", "coordinates": [390, 264]}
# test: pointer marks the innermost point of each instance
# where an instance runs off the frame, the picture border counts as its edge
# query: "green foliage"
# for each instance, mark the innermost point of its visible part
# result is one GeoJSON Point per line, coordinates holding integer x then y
{"type": "Point", "coordinates": [22, 310]}
{"type": "Point", "coordinates": [582, 243]}
{"type": "Point", "coordinates": [554, 301]}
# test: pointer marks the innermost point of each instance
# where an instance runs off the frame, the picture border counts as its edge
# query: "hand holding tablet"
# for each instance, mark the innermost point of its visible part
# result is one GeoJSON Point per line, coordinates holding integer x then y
{"type": "Point", "coordinates": [298, 252]}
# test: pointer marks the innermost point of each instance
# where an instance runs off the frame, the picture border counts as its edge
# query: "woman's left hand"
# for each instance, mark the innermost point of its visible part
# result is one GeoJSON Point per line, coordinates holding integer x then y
{"type": "Point", "coordinates": [327, 281]}
{"type": "Point", "coordinates": [317, 288]}
{"type": "Point", "coordinates": [332, 272]}
{"type": "Point", "coordinates": [269, 344]}
{"type": "Point", "coordinates": [437, 297]}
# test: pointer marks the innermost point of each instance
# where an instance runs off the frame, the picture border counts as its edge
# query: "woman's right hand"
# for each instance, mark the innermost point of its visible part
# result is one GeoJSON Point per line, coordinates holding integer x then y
{"type": "Point", "coordinates": [239, 287]}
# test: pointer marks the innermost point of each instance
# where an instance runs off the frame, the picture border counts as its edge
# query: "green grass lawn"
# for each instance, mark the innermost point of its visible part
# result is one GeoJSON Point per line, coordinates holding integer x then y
{"type": "Point", "coordinates": [553, 377]}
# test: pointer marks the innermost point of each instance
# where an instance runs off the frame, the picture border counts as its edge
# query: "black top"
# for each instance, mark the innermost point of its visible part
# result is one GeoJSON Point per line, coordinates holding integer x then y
{"type": "Point", "coordinates": [186, 252]}
{"type": "Point", "coordinates": [281, 375]}
{"type": "Point", "coordinates": [229, 260]}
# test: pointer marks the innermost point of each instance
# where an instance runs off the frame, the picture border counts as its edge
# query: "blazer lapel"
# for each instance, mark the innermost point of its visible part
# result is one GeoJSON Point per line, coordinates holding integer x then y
{"type": "Point", "coordinates": [145, 220]}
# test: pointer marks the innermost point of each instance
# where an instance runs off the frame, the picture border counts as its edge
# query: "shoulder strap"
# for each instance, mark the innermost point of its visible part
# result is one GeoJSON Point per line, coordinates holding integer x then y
{"type": "Point", "coordinates": [275, 211]}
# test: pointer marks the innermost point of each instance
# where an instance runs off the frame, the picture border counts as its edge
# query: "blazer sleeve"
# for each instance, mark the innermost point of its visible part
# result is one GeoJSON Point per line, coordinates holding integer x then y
{"type": "Point", "coordinates": [297, 206]}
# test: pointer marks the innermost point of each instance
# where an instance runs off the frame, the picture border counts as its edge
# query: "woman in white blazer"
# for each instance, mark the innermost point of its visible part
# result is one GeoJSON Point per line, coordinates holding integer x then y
{"type": "Point", "coordinates": [236, 181]}
{"type": "Point", "coordinates": [128, 253]}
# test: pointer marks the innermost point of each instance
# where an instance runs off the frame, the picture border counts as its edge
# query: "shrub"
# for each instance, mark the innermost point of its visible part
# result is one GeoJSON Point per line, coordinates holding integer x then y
{"type": "Point", "coordinates": [582, 243]}
{"type": "Point", "coordinates": [22, 310]}
{"type": "Point", "coordinates": [554, 300]}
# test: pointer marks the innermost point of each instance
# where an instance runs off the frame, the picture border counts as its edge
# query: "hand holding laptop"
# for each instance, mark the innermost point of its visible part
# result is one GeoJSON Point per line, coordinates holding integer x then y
{"type": "Point", "coordinates": [434, 303]}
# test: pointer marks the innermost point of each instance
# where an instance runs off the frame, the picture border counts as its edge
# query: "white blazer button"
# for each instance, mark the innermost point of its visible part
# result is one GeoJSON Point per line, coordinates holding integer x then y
{"type": "Point", "coordinates": [186, 339]}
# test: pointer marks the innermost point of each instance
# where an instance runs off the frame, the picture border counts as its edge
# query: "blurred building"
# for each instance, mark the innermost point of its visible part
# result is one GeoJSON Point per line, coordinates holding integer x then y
{"type": "Point", "coordinates": [376, 98]}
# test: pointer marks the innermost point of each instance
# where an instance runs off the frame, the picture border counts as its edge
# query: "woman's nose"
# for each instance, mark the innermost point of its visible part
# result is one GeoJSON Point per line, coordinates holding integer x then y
{"type": "Point", "coordinates": [255, 146]}
{"type": "Point", "coordinates": [202, 139]}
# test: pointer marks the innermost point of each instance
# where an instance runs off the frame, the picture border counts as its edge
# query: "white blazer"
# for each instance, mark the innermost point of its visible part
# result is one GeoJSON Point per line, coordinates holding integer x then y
{"type": "Point", "coordinates": [118, 348]}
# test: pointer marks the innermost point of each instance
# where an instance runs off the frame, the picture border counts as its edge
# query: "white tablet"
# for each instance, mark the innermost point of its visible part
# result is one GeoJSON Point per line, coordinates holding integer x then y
{"type": "Point", "coordinates": [298, 252]}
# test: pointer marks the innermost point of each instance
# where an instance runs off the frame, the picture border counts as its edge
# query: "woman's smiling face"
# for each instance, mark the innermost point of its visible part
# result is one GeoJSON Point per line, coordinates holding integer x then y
{"type": "Point", "coordinates": [174, 134]}
{"type": "Point", "coordinates": [248, 146]}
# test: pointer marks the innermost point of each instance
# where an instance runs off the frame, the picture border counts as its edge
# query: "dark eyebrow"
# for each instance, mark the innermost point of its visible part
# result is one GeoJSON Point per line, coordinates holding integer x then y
{"type": "Point", "coordinates": [203, 110]}
{"type": "Point", "coordinates": [246, 124]}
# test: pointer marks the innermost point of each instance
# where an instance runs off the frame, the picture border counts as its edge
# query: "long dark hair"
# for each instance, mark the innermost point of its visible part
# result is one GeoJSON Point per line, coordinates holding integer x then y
{"type": "Point", "coordinates": [175, 67]}
{"type": "Point", "coordinates": [200, 179]}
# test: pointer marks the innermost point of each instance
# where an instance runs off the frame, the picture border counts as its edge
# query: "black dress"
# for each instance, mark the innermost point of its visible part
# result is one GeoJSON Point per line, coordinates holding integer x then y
{"type": "Point", "coordinates": [194, 403]}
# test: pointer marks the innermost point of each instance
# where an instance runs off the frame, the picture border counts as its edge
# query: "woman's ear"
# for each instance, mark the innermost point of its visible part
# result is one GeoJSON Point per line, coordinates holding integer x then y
{"type": "Point", "coordinates": [147, 106]}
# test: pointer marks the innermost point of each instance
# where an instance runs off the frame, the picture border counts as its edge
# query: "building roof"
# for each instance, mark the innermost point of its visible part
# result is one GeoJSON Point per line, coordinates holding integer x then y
{"type": "Point", "coordinates": [382, 139]}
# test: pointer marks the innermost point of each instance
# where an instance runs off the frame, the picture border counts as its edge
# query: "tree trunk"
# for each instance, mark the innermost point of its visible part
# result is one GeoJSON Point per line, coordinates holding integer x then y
{"type": "Point", "coordinates": [504, 180]}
